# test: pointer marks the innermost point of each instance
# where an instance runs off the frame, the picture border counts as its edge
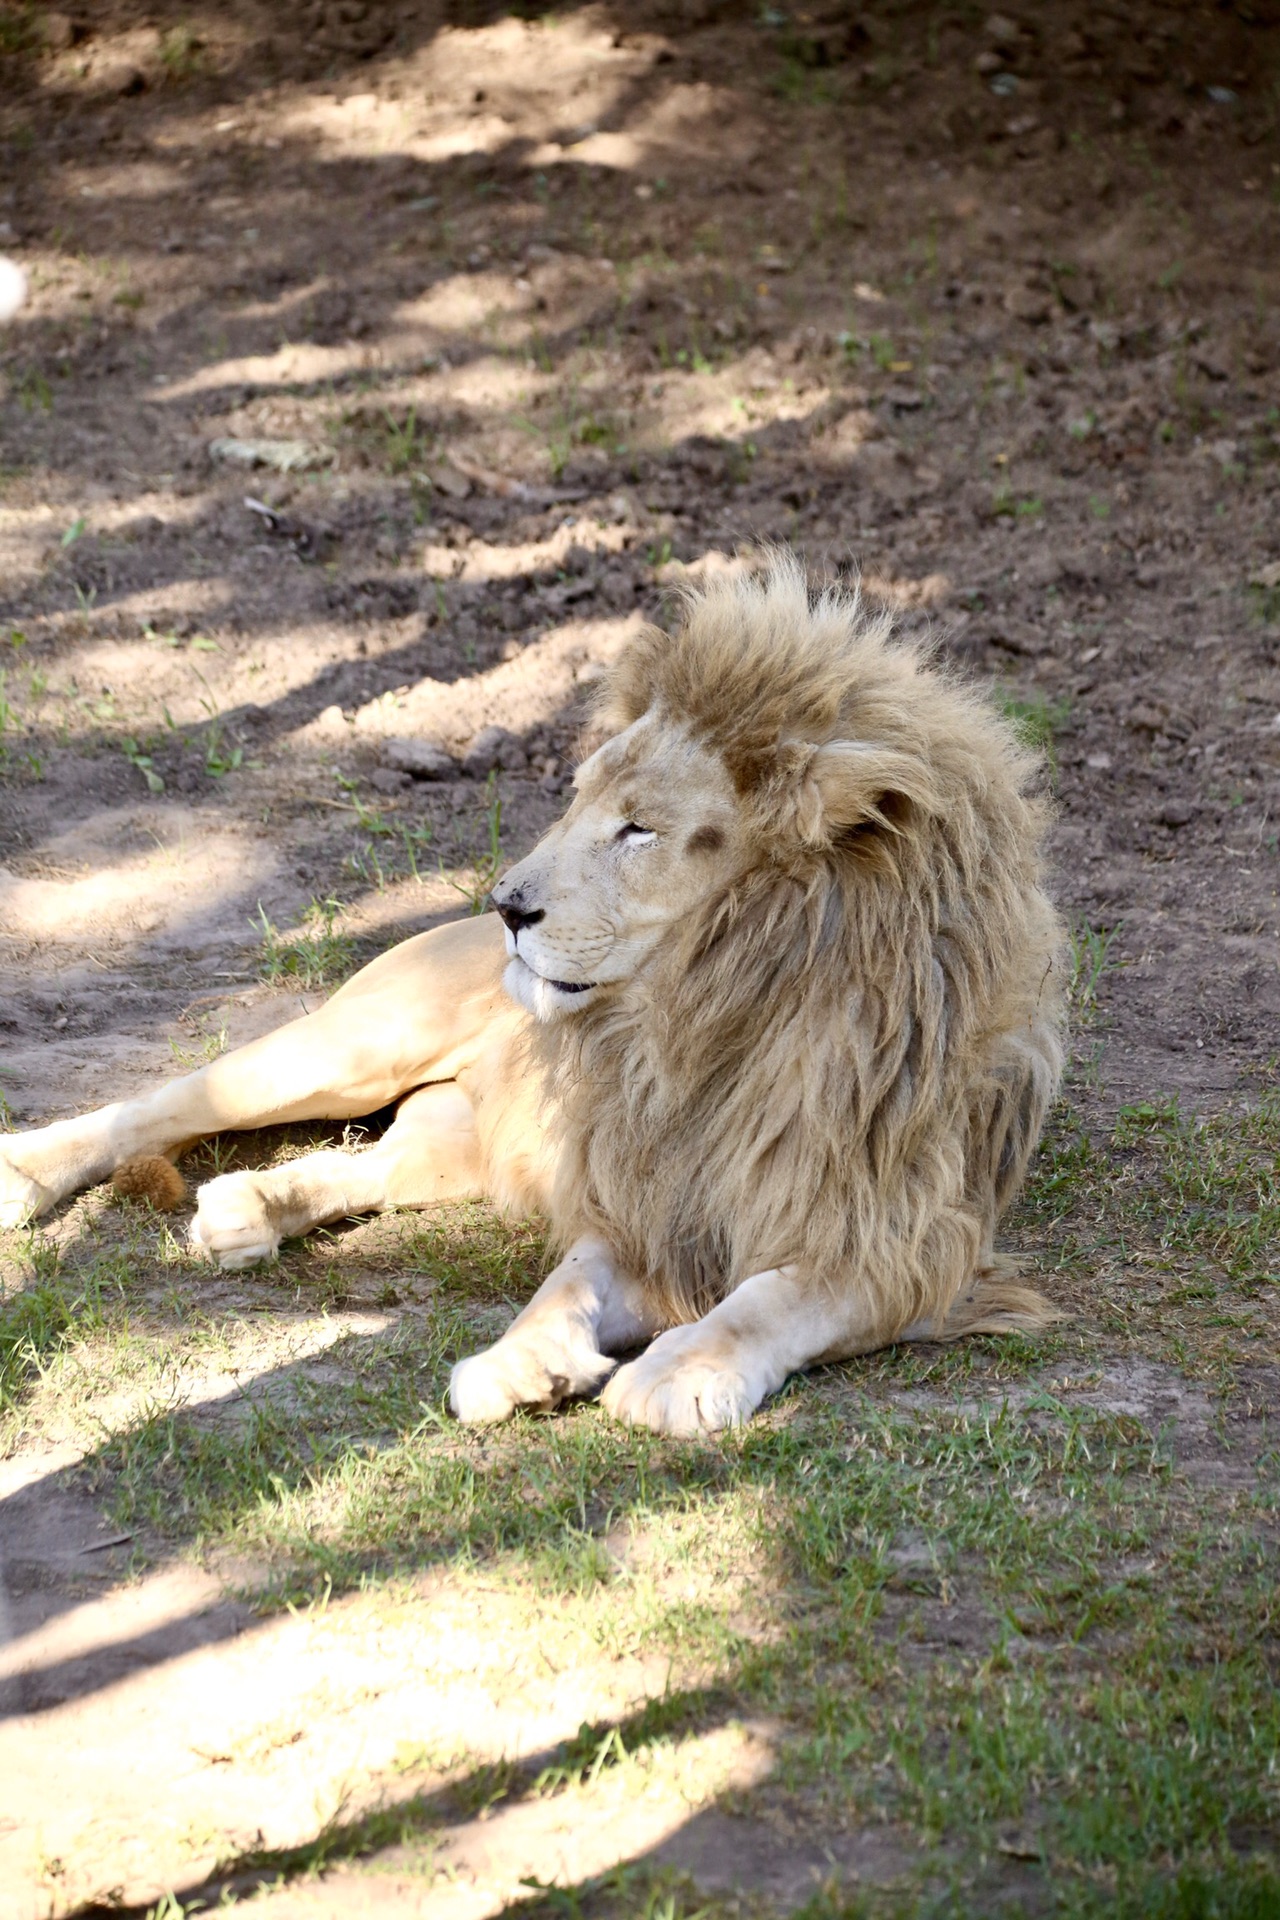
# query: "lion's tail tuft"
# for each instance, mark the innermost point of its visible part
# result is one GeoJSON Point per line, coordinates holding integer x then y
{"type": "Point", "coordinates": [994, 1302]}
{"type": "Point", "coordinates": [991, 1302]}
{"type": "Point", "coordinates": [152, 1178]}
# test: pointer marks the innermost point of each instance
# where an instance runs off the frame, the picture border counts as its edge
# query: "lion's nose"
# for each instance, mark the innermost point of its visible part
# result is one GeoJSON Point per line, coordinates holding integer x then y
{"type": "Point", "coordinates": [515, 918]}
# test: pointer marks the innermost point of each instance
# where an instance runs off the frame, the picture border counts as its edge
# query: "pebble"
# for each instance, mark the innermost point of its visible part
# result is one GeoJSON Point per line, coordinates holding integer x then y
{"type": "Point", "coordinates": [388, 780]}
{"type": "Point", "coordinates": [1176, 813]}
{"type": "Point", "coordinates": [1029, 304]}
{"type": "Point", "coordinates": [286, 456]}
{"type": "Point", "coordinates": [494, 747]}
{"type": "Point", "coordinates": [423, 759]}
{"type": "Point", "coordinates": [58, 31]}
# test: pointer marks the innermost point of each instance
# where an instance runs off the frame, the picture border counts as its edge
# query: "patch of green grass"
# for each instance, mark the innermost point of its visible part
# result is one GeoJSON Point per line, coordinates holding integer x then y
{"type": "Point", "coordinates": [1217, 1179]}
{"type": "Point", "coordinates": [18, 28]}
{"type": "Point", "coordinates": [1187, 1206]}
{"type": "Point", "coordinates": [36, 1320]}
{"type": "Point", "coordinates": [137, 757]}
{"type": "Point", "coordinates": [488, 857]}
{"type": "Point", "coordinates": [408, 443]}
{"type": "Point", "coordinates": [1006, 504]}
{"type": "Point", "coordinates": [16, 759]}
{"type": "Point", "coordinates": [392, 849]}
{"type": "Point", "coordinates": [1035, 718]}
{"type": "Point", "coordinates": [315, 954]}
{"type": "Point", "coordinates": [1113, 1687]}
{"type": "Point", "coordinates": [1091, 961]}
{"type": "Point", "coordinates": [34, 392]}
{"type": "Point", "coordinates": [1264, 604]}
{"type": "Point", "coordinates": [181, 52]}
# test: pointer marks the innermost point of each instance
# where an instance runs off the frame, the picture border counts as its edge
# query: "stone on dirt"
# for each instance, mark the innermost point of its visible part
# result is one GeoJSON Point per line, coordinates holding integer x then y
{"type": "Point", "coordinates": [494, 747]}
{"type": "Point", "coordinates": [286, 456]}
{"type": "Point", "coordinates": [388, 780]}
{"type": "Point", "coordinates": [424, 759]}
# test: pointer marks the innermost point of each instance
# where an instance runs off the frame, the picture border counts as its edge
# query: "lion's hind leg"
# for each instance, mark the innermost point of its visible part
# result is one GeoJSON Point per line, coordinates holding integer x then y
{"type": "Point", "coordinates": [429, 1153]}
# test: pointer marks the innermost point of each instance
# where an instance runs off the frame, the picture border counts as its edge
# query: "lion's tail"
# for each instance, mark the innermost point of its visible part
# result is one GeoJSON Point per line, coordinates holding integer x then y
{"type": "Point", "coordinates": [991, 1302]}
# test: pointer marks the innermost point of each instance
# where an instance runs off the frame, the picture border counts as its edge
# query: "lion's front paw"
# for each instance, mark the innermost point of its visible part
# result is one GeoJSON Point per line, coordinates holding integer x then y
{"type": "Point", "coordinates": [520, 1372]}
{"type": "Point", "coordinates": [232, 1223]}
{"type": "Point", "coordinates": [21, 1197]}
{"type": "Point", "coordinates": [677, 1386]}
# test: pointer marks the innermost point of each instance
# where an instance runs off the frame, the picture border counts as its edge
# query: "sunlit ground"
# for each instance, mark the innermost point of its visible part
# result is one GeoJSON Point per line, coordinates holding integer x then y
{"type": "Point", "coordinates": [378, 379]}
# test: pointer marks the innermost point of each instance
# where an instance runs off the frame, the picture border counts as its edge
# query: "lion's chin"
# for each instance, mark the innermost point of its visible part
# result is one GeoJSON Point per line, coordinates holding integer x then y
{"type": "Point", "coordinates": [546, 1000]}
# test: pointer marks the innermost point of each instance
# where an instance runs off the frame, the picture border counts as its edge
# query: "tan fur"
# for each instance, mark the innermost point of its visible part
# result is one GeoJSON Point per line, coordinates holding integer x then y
{"type": "Point", "coordinates": [797, 1021]}
{"type": "Point", "coordinates": [152, 1178]}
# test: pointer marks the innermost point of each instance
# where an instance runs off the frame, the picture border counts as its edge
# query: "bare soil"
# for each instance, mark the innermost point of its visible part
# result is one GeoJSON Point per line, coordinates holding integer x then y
{"type": "Point", "coordinates": [520, 318]}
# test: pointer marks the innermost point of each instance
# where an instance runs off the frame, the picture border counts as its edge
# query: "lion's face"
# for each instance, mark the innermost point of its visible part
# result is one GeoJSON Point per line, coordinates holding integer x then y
{"type": "Point", "coordinates": [653, 830]}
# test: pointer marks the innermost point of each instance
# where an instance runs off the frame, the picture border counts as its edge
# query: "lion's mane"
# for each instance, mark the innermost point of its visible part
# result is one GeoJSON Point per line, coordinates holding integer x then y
{"type": "Point", "coordinates": [845, 1060]}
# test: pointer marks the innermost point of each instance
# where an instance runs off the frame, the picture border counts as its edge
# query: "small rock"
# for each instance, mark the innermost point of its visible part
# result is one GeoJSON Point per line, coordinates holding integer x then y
{"type": "Point", "coordinates": [1029, 304]}
{"type": "Point", "coordinates": [1041, 570]}
{"type": "Point", "coordinates": [447, 479]}
{"type": "Point", "coordinates": [286, 456]}
{"type": "Point", "coordinates": [1211, 363]}
{"type": "Point", "coordinates": [1267, 577]}
{"type": "Point", "coordinates": [122, 77]}
{"type": "Point", "coordinates": [904, 399]}
{"type": "Point", "coordinates": [988, 61]}
{"type": "Point", "coordinates": [1098, 762]}
{"type": "Point", "coordinates": [388, 780]}
{"type": "Point", "coordinates": [494, 747]}
{"type": "Point", "coordinates": [1176, 813]}
{"type": "Point", "coordinates": [58, 31]}
{"type": "Point", "coordinates": [1144, 719]}
{"type": "Point", "coordinates": [423, 759]}
{"type": "Point", "coordinates": [1000, 28]}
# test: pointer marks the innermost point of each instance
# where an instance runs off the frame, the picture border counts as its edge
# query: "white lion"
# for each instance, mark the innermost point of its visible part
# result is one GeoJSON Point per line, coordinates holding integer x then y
{"type": "Point", "coordinates": [781, 1023]}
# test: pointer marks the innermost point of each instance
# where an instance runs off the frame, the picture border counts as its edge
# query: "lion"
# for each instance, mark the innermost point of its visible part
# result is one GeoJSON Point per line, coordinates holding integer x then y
{"type": "Point", "coordinates": [766, 1027]}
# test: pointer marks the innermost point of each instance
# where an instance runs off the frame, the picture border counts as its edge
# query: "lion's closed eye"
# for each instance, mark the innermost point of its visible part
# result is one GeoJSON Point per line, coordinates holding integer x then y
{"type": "Point", "coordinates": [634, 835]}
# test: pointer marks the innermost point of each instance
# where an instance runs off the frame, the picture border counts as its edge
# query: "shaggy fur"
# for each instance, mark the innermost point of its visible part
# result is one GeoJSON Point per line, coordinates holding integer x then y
{"type": "Point", "coordinates": [842, 1062]}
{"type": "Point", "coordinates": [152, 1178]}
{"type": "Point", "coordinates": [797, 1020]}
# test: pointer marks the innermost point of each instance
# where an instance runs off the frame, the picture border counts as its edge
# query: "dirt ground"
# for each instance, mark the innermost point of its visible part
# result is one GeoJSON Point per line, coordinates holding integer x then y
{"type": "Point", "coordinates": [383, 366]}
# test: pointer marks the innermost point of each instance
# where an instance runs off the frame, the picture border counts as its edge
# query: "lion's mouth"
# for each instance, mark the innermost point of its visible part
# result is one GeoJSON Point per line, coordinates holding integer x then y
{"type": "Point", "coordinates": [561, 986]}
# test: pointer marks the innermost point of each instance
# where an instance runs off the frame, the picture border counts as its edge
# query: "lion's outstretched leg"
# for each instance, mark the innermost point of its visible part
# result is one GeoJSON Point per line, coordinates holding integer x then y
{"type": "Point", "coordinates": [429, 1153]}
{"type": "Point", "coordinates": [558, 1346]}
{"type": "Point", "coordinates": [416, 1014]}
{"type": "Point", "coordinates": [715, 1372]}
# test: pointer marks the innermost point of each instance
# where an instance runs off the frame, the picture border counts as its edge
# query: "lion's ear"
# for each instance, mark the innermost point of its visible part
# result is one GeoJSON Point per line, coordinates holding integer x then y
{"type": "Point", "coordinates": [849, 784]}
